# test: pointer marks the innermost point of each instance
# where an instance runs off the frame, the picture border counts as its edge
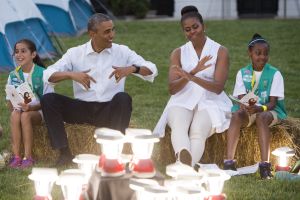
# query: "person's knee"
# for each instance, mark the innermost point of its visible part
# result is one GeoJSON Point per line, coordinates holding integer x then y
{"type": "Point", "coordinates": [25, 117]}
{"type": "Point", "coordinates": [263, 118]}
{"type": "Point", "coordinates": [15, 115]}
{"type": "Point", "coordinates": [48, 98]}
{"type": "Point", "coordinates": [122, 98]}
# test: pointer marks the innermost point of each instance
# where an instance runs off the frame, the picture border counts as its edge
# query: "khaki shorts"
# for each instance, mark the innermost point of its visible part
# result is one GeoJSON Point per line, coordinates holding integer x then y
{"type": "Point", "coordinates": [253, 117]}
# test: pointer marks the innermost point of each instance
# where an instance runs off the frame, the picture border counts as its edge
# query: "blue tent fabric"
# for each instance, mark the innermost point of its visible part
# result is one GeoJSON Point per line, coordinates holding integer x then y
{"type": "Point", "coordinates": [34, 30]}
{"type": "Point", "coordinates": [58, 19]}
{"type": "Point", "coordinates": [6, 61]}
{"type": "Point", "coordinates": [81, 12]}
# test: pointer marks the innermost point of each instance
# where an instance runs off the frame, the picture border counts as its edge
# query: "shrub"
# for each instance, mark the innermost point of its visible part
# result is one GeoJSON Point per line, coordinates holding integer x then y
{"type": "Point", "coordinates": [138, 8]}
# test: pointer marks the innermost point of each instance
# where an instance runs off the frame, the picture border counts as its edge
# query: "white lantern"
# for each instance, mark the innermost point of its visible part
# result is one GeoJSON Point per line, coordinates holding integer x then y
{"type": "Point", "coordinates": [283, 153]}
{"type": "Point", "coordinates": [43, 182]}
{"type": "Point", "coordinates": [214, 183]}
{"type": "Point", "coordinates": [71, 182]}
{"type": "Point", "coordinates": [139, 185]}
{"type": "Point", "coordinates": [179, 170]}
{"type": "Point", "coordinates": [111, 142]}
{"type": "Point", "coordinates": [87, 163]}
{"type": "Point", "coordinates": [142, 143]}
{"type": "Point", "coordinates": [147, 189]}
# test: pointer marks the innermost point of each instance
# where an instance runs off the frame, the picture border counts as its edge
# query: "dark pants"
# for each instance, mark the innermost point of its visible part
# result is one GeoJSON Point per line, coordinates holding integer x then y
{"type": "Point", "coordinates": [57, 109]}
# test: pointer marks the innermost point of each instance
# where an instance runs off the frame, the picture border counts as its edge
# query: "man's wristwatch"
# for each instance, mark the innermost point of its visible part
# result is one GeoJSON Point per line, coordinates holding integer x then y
{"type": "Point", "coordinates": [137, 69]}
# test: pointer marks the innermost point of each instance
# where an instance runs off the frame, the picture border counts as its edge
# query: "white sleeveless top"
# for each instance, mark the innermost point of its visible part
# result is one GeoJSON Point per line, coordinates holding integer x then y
{"type": "Point", "coordinates": [192, 95]}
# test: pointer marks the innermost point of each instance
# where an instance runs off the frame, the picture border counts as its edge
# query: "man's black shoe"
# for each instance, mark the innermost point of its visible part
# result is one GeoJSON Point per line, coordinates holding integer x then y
{"type": "Point", "coordinates": [64, 160]}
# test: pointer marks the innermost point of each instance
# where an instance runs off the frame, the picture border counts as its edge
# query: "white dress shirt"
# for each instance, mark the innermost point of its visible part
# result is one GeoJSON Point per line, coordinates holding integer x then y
{"type": "Point", "coordinates": [83, 58]}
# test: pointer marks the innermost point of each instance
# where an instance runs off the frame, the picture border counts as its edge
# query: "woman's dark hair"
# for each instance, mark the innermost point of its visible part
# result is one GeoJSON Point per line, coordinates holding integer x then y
{"type": "Point", "coordinates": [190, 11]}
{"type": "Point", "coordinates": [256, 38]}
{"type": "Point", "coordinates": [31, 46]}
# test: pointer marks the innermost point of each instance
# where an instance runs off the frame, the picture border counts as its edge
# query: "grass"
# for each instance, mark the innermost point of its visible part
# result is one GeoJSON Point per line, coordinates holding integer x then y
{"type": "Point", "coordinates": [154, 41]}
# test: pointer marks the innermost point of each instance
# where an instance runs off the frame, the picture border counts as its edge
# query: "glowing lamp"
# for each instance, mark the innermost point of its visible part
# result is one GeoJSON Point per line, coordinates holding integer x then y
{"type": "Point", "coordinates": [71, 182]}
{"type": "Point", "coordinates": [214, 184]}
{"type": "Point", "coordinates": [139, 185]}
{"type": "Point", "coordinates": [189, 192]}
{"type": "Point", "coordinates": [111, 142]}
{"type": "Point", "coordinates": [147, 189]}
{"type": "Point", "coordinates": [43, 182]}
{"type": "Point", "coordinates": [87, 163]}
{"type": "Point", "coordinates": [142, 143]}
{"type": "Point", "coordinates": [283, 153]}
{"type": "Point", "coordinates": [179, 170]}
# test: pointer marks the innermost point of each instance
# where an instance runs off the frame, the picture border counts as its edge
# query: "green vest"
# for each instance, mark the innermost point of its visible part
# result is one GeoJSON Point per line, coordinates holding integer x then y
{"type": "Point", "coordinates": [17, 78]}
{"type": "Point", "coordinates": [263, 89]}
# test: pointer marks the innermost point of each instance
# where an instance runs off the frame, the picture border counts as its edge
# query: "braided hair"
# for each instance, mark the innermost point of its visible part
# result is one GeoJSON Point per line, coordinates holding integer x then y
{"type": "Point", "coordinates": [256, 38]}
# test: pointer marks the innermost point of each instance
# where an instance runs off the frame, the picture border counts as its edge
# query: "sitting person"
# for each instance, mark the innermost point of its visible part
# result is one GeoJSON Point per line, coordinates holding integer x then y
{"type": "Point", "coordinates": [198, 106]}
{"type": "Point", "coordinates": [98, 70]}
{"type": "Point", "coordinates": [29, 113]}
{"type": "Point", "coordinates": [266, 82]}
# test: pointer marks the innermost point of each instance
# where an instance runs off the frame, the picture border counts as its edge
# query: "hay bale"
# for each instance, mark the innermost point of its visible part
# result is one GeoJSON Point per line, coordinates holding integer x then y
{"type": "Point", "coordinates": [80, 137]}
{"type": "Point", "coordinates": [285, 134]}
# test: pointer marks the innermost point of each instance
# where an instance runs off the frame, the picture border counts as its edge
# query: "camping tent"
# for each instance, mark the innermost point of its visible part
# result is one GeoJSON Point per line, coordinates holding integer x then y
{"type": "Point", "coordinates": [18, 20]}
{"type": "Point", "coordinates": [66, 17]}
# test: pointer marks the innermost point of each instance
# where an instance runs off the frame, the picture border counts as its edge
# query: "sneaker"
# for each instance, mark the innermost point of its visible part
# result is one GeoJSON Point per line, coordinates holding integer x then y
{"type": "Point", "coordinates": [113, 168]}
{"type": "Point", "coordinates": [230, 165]}
{"type": "Point", "coordinates": [27, 162]}
{"type": "Point", "coordinates": [265, 170]}
{"type": "Point", "coordinates": [15, 162]}
{"type": "Point", "coordinates": [143, 168]}
{"type": "Point", "coordinates": [184, 157]}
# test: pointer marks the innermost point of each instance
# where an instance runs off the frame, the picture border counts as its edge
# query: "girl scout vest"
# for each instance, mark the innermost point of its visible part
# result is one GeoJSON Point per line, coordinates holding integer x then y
{"type": "Point", "coordinates": [263, 89]}
{"type": "Point", "coordinates": [36, 83]}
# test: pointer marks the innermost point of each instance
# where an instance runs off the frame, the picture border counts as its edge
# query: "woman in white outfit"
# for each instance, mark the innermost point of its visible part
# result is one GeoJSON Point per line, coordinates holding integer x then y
{"type": "Point", "coordinates": [198, 106]}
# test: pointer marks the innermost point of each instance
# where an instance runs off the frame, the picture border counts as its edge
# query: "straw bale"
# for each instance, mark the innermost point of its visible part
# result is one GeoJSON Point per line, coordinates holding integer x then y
{"type": "Point", "coordinates": [80, 137]}
{"type": "Point", "coordinates": [286, 133]}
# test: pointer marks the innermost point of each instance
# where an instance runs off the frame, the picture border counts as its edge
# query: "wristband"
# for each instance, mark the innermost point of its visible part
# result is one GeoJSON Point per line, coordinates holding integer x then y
{"type": "Point", "coordinates": [137, 69]}
{"type": "Point", "coordinates": [265, 108]}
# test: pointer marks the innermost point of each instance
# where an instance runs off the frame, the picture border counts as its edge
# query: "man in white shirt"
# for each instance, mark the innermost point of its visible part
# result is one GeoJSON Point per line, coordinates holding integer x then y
{"type": "Point", "coordinates": [98, 69]}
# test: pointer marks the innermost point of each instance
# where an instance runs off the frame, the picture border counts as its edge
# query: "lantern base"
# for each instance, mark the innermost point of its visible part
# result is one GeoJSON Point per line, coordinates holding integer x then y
{"type": "Point", "coordinates": [112, 168]}
{"type": "Point", "coordinates": [216, 197]}
{"type": "Point", "coordinates": [36, 197]}
{"type": "Point", "coordinates": [282, 168]}
{"type": "Point", "coordinates": [143, 168]}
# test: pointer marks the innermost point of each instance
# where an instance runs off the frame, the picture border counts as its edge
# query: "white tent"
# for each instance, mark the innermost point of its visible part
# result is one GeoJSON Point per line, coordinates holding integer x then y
{"type": "Point", "coordinates": [19, 20]}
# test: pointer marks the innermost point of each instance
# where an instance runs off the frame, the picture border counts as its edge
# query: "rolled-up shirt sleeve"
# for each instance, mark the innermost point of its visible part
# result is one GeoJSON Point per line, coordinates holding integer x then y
{"type": "Point", "coordinates": [137, 60]}
{"type": "Point", "coordinates": [62, 65]}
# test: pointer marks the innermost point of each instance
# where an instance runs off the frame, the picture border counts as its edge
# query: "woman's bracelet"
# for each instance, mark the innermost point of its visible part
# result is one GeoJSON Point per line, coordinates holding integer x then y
{"type": "Point", "coordinates": [265, 108]}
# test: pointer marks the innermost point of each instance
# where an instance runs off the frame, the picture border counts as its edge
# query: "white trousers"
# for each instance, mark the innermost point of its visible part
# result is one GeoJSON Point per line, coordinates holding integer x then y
{"type": "Point", "coordinates": [190, 129]}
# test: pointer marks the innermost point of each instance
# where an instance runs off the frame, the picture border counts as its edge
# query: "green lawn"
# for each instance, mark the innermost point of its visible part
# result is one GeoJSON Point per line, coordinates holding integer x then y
{"type": "Point", "coordinates": [155, 41]}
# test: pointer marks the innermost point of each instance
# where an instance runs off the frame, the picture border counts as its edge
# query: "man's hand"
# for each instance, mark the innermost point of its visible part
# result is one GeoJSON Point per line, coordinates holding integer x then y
{"type": "Point", "coordinates": [120, 72]}
{"type": "Point", "coordinates": [201, 65]}
{"type": "Point", "coordinates": [83, 78]}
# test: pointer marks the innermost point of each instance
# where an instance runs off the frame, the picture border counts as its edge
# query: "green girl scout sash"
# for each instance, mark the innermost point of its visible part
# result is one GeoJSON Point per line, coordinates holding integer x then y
{"type": "Point", "coordinates": [263, 89]}
{"type": "Point", "coordinates": [35, 79]}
